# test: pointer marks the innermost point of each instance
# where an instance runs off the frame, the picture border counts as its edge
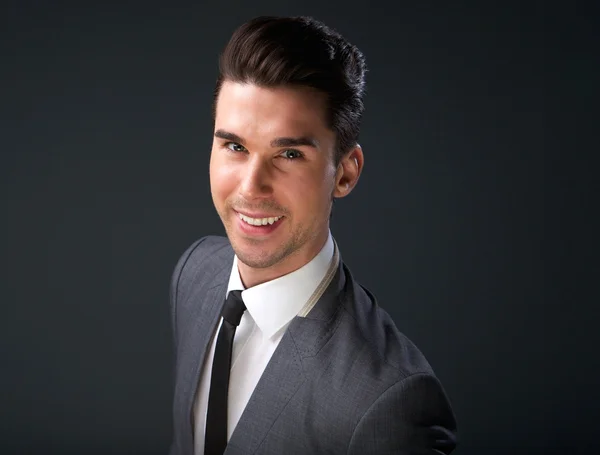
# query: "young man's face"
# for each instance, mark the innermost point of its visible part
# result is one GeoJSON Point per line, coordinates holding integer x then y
{"type": "Point", "coordinates": [272, 175]}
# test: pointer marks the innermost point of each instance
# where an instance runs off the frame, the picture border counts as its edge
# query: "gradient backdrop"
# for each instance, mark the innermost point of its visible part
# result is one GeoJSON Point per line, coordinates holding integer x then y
{"type": "Point", "coordinates": [105, 138]}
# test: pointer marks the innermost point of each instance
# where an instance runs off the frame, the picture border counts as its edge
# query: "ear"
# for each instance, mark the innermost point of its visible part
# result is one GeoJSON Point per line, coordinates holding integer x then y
{"type": "Point", "coordinates": [348, 172]}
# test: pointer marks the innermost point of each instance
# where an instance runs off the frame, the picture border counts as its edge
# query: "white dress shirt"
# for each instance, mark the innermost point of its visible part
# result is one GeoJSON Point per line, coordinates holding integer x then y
{"type": "Point", "coordinates": [271, 306]}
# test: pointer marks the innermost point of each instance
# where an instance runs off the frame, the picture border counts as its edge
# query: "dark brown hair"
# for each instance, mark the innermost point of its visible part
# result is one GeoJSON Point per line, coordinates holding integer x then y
{"type": "Point", "coordinates": [278, 51]}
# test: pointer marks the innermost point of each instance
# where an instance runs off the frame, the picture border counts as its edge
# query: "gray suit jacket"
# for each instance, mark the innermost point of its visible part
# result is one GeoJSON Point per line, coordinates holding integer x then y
{"type": "Point", "coordinates": [343, 380]}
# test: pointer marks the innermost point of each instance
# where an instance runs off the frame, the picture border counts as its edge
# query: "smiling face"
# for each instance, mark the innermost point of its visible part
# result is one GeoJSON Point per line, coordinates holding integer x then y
{"type": "Point", "coordinates": [273, 176]}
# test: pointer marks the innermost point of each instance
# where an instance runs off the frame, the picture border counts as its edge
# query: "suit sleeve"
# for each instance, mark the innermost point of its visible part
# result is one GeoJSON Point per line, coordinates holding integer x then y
{"type": "Point", "coordinates": [411, 417]}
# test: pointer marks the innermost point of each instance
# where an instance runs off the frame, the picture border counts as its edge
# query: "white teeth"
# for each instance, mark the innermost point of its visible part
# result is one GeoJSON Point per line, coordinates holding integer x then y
{"type": "Point", "coordinates": [258, 221]}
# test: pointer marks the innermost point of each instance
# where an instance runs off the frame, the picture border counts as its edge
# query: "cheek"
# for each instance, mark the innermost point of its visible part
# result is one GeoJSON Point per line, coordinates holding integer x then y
{"type": "Point", "coordinates": [223, 178]}
{"type": "Point", "coordinates": [311, 190]}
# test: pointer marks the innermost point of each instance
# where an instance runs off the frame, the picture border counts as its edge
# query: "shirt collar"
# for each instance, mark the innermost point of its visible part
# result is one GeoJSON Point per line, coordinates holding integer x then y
{"type": "Point", "coordinates": [275, 303]}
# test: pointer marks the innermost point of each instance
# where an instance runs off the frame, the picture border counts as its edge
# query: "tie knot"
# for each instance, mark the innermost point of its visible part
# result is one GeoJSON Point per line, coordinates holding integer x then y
{"type": "Point", "coordinates": [234, 308]}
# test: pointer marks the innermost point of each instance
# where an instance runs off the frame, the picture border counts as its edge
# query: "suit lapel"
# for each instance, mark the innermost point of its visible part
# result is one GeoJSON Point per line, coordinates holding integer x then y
{"type": "Point", "coordinates": [280, 380]}
{"type": "Point", "coordinates": [285, 372]}
{"type": "Point", "coordinates": [202, 325]}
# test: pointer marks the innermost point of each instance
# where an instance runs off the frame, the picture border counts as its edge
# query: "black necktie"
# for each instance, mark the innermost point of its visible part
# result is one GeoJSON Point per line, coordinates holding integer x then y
{"type": "Point", "coordinates": [216, 419]}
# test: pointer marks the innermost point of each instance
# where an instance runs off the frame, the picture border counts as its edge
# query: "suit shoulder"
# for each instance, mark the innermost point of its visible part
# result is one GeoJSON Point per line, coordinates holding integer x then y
{"type": "Point", "coordinates": [202, 249]}
{"type": "Point", "coordinates": [205, 256]}
{"type": "Point", "coordinates": [206, 246]}
{"type": "Point", "coordinates": [383, 345]}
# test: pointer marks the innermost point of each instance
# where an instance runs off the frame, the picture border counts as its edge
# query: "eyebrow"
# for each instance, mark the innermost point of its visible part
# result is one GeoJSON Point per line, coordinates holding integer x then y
{"type": "Point", "coordinates": [277, 142]}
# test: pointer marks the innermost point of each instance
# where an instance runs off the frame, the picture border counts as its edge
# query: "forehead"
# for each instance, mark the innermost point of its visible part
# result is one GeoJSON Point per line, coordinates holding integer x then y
{"type": "Point", "coordinates": [250, 110]}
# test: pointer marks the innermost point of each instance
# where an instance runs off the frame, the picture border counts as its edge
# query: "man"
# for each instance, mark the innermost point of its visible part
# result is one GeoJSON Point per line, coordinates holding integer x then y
{"type": "Point", "coordinates": [278, 349]}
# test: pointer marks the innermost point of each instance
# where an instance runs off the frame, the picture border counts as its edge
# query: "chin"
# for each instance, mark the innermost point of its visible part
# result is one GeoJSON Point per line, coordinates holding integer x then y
{"type": "Point", "coordinates": [258, 259]}
{"type": "Point", "coordinates": [257, 253]}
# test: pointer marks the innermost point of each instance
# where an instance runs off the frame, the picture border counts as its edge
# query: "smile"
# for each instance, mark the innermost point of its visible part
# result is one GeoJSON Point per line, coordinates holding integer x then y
{"type": "Point", "coordinates": [258, 221]}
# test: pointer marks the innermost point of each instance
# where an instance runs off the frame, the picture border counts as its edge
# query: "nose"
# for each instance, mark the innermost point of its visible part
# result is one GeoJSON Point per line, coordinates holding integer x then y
{"type": "Point", "coordinates": [256, 179]}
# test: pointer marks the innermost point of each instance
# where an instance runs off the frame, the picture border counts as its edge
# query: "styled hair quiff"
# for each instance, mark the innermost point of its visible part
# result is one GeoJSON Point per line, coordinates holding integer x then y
{"type": "Point", "coordinates": [277, 51]}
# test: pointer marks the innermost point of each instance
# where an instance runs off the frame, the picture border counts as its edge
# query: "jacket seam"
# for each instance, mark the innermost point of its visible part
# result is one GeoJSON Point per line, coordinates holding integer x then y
{"type": "Point", "coordinates": [376, 401]}
{"type": "Point", "coordinates": [370, 342]}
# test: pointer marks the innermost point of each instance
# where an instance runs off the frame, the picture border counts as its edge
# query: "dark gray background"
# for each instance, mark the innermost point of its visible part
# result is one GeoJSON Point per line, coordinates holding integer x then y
{"type": "Point", "coordinates": [455, 225]}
